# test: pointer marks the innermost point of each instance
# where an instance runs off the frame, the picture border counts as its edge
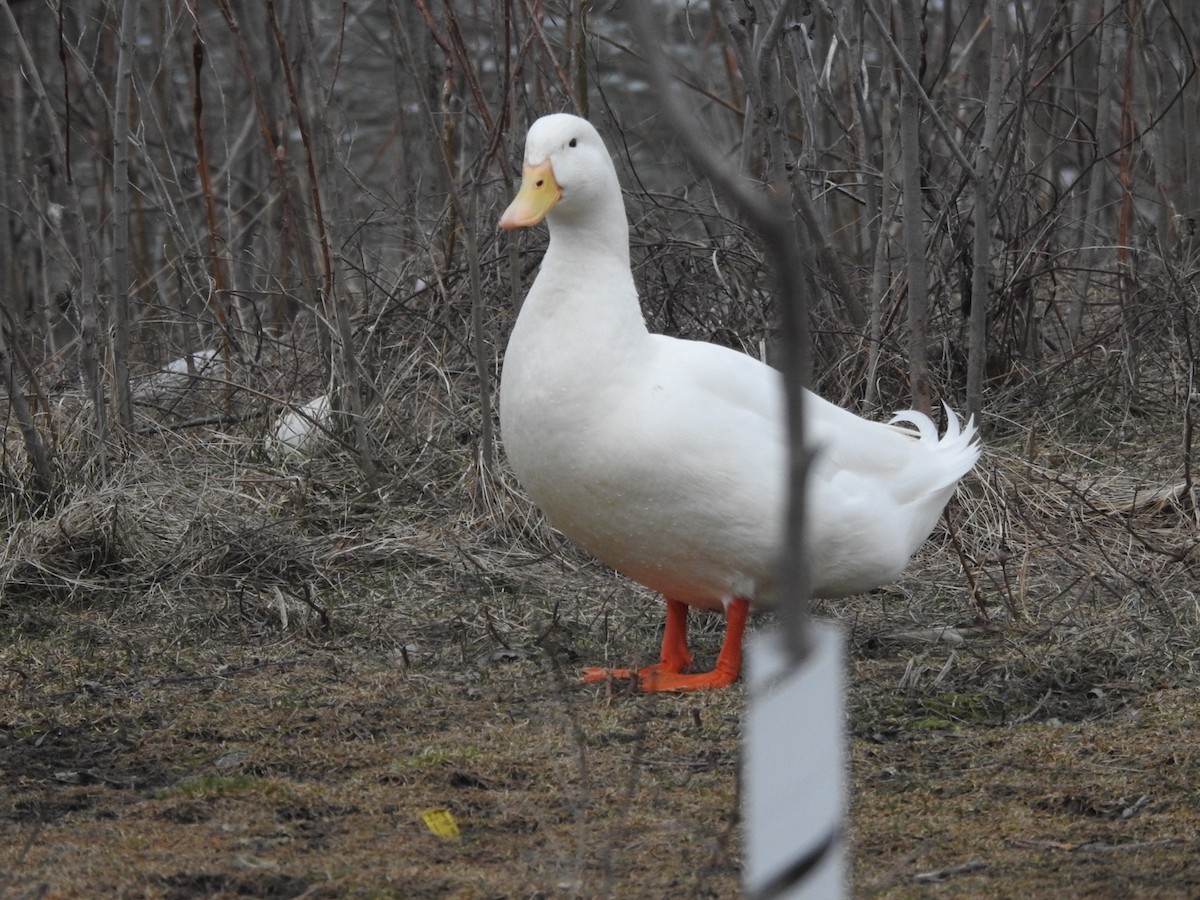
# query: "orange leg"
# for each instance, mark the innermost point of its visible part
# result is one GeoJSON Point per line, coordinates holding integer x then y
{"type": "Point", "coordinates": [673, 659]}
{"type": "Point", "coordinates": [667, 674]}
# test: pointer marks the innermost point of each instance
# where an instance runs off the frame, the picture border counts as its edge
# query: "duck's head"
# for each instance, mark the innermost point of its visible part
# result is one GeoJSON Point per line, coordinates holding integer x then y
{"type": "Point", "coordinates": [567, 170]}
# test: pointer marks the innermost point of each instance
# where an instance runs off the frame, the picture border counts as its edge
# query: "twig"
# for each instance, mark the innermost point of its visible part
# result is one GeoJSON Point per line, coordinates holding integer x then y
{"type": "Point", "coordinates": [1091, 846]}
{"type": "Point", "coordinates": [126, 49]}
{"type": "Point", "coordinates": [918, 91]}
{"type": "Point", "coordinates": [769, 213]}
{"type": "Point", "coordinates": [937, 875]}
{"type": "Point", "coordinates": [89, 322]}
{"type": "Point", "coordinates": [216, 260]}
{"type": "Point", "coordinates": [35, 447]}
{"type": "Point", "coordinates": [335, 308]}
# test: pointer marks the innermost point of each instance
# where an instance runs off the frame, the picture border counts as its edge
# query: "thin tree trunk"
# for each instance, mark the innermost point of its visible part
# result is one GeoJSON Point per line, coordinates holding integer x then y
{"type": "Point", "coordinates": [980, 276]}
{"type": "Point", "coordinates": [914, 232]}
{"type": "Point", "coordinates": [35, 449]}
{"type": "Point", "coordinates": [89, 357]}
{"type": "Point", "coordinates": [126, 44]}
{"type": "Point", "coordinates": [479, 342]}
{"type": "Point", "coordinates": [880, 266]}
{"type": "Point", "coordinates": [219, 292]}
{"type": "Point", "coordinates": [1098, 177]}
{"type": "Point", "coordinates": [11, 288]}
{"type": "Point", "coordinates": [865, 126]}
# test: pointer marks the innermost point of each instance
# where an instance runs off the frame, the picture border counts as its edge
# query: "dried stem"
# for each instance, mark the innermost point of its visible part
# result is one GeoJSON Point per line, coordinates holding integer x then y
{"type": "Point", "coordinates": [770, 215]}
{"type": "Point", "coordinates": [126, 47]}
{"type": "Point", "coordinates": [215, 256]}
{"type": "Point", "coordinates": [88, 313]}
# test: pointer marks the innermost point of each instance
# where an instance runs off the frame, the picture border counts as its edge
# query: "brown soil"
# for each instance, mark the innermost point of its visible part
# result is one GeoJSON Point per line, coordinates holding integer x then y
{"type": "Point", "coordinates": [297, 763]}
{"type": "Point", "coordinates": [225, 677]}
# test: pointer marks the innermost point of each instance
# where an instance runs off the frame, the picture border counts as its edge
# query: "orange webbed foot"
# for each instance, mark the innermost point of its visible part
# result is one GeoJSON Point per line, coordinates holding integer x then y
{"type": "Point", "coordinates": [668, 674]}
{"type": "Point", "coordinates": [599, 673]}
{"type": "Point", "coordinates": [678, 682]}
{"type": "Point", "coordinates": [645, 676]}
{"type": "Point", "coordinates": [655, 678]}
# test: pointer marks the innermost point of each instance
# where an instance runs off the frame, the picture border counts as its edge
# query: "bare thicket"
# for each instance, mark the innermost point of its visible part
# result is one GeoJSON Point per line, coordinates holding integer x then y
{"type": "Point", "coordinates": [253, 306]}
{"type": "Point", "coordinates": [288, 201]}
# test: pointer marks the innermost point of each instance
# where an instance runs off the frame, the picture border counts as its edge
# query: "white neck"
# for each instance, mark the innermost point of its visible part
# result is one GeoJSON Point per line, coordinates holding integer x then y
{"type": "Point", "coordinates": [585, 276]}
{"type": "Point", "coordinates": [597, 233]}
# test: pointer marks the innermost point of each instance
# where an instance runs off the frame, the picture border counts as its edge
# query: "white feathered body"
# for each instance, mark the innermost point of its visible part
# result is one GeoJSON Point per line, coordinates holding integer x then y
{"type": "Point", "coordinates": [667, 459]}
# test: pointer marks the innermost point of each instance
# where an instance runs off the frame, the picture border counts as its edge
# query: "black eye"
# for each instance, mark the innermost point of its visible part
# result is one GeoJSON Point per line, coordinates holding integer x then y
{"type": "Point", "coordinates": [573, 142]}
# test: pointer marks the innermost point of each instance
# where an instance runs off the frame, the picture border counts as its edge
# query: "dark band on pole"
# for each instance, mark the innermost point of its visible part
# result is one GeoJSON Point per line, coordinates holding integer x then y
{"type": "Point", "coordinates": [799, 869]}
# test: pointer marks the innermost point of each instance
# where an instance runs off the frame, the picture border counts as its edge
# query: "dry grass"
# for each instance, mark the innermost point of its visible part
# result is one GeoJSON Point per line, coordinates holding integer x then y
{"type": "Point", "coordinates": [237, 676]}
{"type": "Point", "coordinates": [227, 673]}
{"type": "Point", "coordinates": [232, 674]}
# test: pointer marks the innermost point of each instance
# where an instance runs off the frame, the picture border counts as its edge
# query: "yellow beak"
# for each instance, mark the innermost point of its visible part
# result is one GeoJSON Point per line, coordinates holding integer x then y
{"type": "Point", "coordinates": [539, 192]}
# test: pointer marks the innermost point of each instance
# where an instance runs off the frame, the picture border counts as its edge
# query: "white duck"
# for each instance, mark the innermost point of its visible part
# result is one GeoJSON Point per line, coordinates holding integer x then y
{"type": "Point", "coordinates": [666, 458]}
{"type": "Point", "coordinates": [300, 429]}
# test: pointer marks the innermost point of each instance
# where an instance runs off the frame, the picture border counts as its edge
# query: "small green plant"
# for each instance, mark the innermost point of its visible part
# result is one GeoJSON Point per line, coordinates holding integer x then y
{"type": "Point", "coordinates": [209, 787]}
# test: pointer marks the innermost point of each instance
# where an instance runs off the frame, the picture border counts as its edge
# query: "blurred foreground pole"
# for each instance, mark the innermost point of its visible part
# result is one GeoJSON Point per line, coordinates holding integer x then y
{"type": "Point", "coordinates": [794, 769]}
{"type": "Point", "coordinates": [794, 760]}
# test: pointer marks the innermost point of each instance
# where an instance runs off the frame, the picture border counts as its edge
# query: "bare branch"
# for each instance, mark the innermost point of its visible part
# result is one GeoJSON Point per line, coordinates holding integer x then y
{"type": "Point", "coordinates": [770, 215]}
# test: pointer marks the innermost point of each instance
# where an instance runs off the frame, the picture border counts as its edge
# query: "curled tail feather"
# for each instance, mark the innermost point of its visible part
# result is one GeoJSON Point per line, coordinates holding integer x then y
{"type": "Point", "coordinates": [957, 450]}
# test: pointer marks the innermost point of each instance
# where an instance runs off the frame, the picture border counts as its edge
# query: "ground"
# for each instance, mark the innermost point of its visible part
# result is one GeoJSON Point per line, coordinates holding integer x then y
{"type": "Point", "coordinates": [228, 676]}
{"type": "Point", "coordinates": [298, 762]}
